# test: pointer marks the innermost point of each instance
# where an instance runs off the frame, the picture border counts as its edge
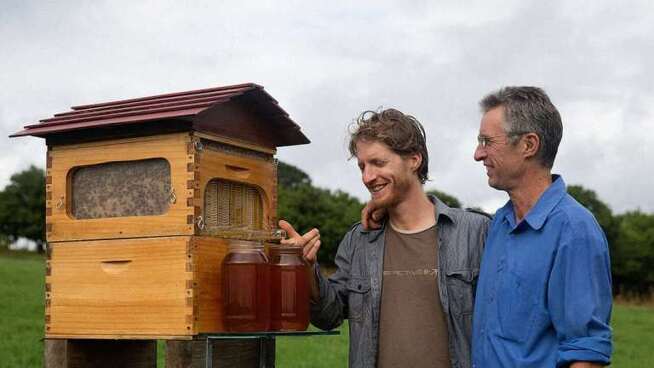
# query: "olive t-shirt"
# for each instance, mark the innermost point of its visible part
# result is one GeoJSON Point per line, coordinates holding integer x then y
{"type": "Point", "coordinates": [412, 326]}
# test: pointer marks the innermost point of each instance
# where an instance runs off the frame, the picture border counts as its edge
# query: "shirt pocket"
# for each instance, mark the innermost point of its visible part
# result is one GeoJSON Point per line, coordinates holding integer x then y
{"type": "Point", "coordinates": [461, 290]}
{"type": "Point", "coordinates": [515, 307]}
{"type": "Point", "coordinates": [358, 288]}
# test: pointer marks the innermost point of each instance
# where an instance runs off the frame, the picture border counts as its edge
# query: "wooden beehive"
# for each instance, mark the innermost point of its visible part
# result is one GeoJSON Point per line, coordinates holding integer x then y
{"type": "Point", "coordinates": [142, 197]}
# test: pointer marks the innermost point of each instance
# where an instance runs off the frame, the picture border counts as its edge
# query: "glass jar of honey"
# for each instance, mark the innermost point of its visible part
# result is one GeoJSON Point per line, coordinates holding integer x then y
{"type": "Point", "coordinates": [246, 287]}
{"type": "Point", "coordinates": [289, 300]}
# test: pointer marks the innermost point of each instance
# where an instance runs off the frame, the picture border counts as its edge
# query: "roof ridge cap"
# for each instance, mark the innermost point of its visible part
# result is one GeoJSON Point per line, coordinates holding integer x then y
{"type": "Point", "coordinates": [245, 86]}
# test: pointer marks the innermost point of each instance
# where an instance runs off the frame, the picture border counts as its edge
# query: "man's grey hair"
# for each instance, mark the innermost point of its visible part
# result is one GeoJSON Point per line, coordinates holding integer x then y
{"type": "Point", "coordinates": [528, 110]}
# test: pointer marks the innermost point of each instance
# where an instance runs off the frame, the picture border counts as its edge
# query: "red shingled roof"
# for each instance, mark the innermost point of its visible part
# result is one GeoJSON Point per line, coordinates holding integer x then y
{"type": "Point", "coordinates": [173, 105]}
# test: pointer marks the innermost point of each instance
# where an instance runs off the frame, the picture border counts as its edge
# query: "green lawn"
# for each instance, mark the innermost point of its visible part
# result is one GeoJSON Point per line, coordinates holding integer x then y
{"type": "Point", "coordinates": [21, 309]}
{"type": "Point", "coordinates": [633, 336]}
{"type": "Point", "coordinates": [21, 326]}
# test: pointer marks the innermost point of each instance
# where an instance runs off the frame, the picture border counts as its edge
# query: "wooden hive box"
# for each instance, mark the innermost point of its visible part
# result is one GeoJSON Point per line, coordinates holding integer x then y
{"type": "Point", "coordinates": [142, 197]}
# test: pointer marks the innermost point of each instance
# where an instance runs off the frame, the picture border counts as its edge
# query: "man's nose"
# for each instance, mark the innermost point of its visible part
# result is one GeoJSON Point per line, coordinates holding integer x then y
{"type": "Point", "coordinates": [368, 176]}
{"type": "Point", "coordinates": [480, 153]}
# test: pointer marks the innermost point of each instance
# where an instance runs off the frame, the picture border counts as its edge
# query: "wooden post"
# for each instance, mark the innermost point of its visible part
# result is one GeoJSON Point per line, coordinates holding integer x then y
{"type": "Point", "coordinates": [68, 353]}
{"type": "Point", "coordinates": [179, 353]}
{"type": "Point", "coordinates": [54, 351]}
{"type": "Point", "coordinates": [252, 353]}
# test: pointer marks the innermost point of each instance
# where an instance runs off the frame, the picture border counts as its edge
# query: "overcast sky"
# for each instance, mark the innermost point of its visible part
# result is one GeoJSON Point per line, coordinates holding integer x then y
{"type": "Point", "coordinates": [325, 62]}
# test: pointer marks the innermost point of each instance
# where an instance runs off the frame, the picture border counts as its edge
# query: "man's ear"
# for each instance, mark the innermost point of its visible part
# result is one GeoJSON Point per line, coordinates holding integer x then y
{"type": "Point", "coordinates": [531, 144]}
{"type": "Point", "coordinates": [416, 160]}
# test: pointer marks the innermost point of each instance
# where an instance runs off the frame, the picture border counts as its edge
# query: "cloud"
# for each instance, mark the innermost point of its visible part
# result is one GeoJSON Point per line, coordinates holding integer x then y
{"type": "Point", "coordinates": [326, 63]}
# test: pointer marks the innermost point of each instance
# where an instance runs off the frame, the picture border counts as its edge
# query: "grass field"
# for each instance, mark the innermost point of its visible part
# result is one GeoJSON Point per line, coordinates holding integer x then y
{"type": "Point", "coordinates": [21, 326]}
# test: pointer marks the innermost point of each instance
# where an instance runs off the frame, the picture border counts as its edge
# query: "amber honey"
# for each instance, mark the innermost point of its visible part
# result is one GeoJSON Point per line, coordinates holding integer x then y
{"type": "Point", "coordinates": [289, 289]}
{"type": "Point", "coordinates": [246, 288]}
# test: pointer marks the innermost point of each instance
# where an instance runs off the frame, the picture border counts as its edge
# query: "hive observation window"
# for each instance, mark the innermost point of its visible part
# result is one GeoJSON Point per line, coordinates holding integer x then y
{"type": "Point", "coordinates": [119, 189]}
{"type": "Point", "coordinates": [232, 205]}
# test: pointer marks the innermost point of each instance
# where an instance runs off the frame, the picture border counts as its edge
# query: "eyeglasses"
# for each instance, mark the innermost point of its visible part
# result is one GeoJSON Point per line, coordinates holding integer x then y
{"type": "Point", "coordinates": [485, 141]}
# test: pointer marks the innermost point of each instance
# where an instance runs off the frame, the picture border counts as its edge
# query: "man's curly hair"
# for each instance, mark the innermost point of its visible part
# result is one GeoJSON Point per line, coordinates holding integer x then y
{"type": "Point", "coordinates": [403, 134]}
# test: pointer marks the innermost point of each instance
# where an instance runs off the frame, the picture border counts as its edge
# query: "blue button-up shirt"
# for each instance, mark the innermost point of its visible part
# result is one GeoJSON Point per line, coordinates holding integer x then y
{"type": "Point", "coordinates": [544, 292]}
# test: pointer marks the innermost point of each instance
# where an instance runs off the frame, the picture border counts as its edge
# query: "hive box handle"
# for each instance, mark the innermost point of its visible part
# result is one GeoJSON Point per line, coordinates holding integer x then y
{"type": "Point", "coordinates": [115, 266]}
{"type": "Point", "coordinates": [238, 171]}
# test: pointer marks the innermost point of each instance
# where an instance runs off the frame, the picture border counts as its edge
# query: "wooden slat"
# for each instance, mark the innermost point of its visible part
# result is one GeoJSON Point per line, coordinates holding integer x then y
{"type": "Point", "coordinates": [43, 131]}
{"type": "Point", "coordinates": [209, 97]}
{"type": "Point", "coordinates": [235, 142]}
{"type": "Point", "coordinates": [115, 142]}
{"type": "Point", "coordinates": [237, 88]}
{"type": "Point", "coordinates": [123, 113]}
{"type": "Point", "coordinates": [120, 337]}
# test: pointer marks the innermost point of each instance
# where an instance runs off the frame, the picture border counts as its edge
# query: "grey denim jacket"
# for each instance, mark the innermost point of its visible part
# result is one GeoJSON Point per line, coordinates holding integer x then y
{"type": "Point", "coordinates": [354, 290]}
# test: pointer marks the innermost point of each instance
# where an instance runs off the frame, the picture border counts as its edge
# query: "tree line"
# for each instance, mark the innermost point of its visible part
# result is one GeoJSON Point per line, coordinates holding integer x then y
{"type": "Point", "coordinates": [630, 235]}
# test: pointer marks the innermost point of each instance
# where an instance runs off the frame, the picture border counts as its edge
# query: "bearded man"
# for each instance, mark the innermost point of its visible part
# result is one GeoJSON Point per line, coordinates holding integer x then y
{"type": "Point", "coordinates": [407, 288]}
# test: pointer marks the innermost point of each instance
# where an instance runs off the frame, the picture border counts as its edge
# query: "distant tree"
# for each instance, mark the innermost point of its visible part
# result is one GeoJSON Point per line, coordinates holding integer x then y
{"type": "Point", "coordinates": [333, 213]}
{"type": "Point", "coordinates": [22, 206]}
{"type": "Point", "coordinates": [4, 241]}
{"type": "Point", "coordinates": [290, 176]}
{"type": "Point", "coordinates": [636, 256]}
{"type": "Point", "coordinates": [448, 199]}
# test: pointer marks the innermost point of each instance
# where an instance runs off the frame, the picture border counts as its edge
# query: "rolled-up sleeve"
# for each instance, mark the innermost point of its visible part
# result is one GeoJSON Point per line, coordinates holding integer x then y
{"type": "Point", "coordinates": [329, 312]}
{"type": "Point", "coordinates": [579, 294]}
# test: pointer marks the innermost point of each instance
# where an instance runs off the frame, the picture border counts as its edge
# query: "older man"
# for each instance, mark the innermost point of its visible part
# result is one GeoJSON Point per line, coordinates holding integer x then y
{"type": "Point", "coordinates": [544, 293]}
{"type": "Point", "coordinates": [407, 288]}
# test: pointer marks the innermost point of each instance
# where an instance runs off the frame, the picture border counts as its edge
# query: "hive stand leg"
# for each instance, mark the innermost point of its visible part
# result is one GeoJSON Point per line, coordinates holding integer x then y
{"type": "Point", "coordinates": [268, 349]}
{"type": "Point", "coordinates": [100, 353]}
{"type": "Point", "coordinates": [179, 353]}
{"type": "Point", "coordinates": [54, 353]}
{"type": "Point", "coordinates": [221, 353]}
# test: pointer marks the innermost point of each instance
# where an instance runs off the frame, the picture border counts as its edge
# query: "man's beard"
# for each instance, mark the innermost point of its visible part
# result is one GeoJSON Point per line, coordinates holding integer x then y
{"type": "Point", "coordinates": [395, 197]}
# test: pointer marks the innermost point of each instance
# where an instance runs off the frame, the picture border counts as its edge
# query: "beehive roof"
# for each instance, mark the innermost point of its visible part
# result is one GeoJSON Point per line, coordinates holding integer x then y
{"type": "Point", "coordinates": [180, 105]}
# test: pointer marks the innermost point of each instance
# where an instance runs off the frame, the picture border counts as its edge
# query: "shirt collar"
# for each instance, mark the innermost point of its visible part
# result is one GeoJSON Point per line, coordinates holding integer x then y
{"type": "Point", "coordinates": [373, 234]}
{"type": "Point", "coordinates": [540, 211]}
{"type": "Point", "coordinates": [441, 210]}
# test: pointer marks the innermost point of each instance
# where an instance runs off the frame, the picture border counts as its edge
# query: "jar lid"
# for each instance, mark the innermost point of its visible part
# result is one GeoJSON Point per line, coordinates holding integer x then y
{"type": "Point", "coordinates": [285, 247]}
{"type": "Point", "coordinates": [244, 243]}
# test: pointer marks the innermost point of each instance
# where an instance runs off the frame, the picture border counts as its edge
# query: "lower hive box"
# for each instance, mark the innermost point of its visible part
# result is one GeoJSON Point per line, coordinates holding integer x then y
{"type": "Point", "coordinates": [164, 288]}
